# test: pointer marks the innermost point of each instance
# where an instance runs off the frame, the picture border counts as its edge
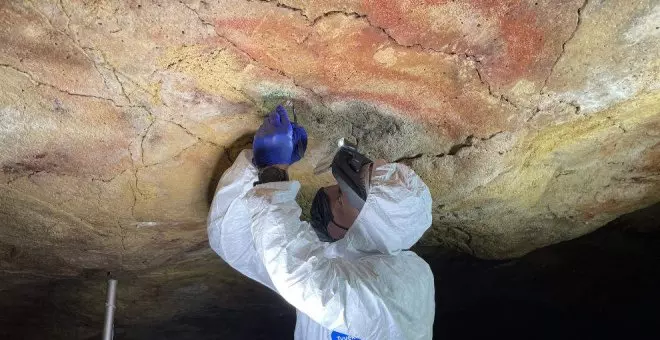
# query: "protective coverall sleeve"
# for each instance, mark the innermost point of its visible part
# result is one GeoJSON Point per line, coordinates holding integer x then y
{"type": "Point", "coordinates": [366, 297]}
{"type": "Point", "coordinates": [229, 224]}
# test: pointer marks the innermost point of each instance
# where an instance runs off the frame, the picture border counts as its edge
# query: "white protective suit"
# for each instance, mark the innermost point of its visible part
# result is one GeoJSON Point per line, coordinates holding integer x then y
{"type": "Point", "coordinates": [365, 286]}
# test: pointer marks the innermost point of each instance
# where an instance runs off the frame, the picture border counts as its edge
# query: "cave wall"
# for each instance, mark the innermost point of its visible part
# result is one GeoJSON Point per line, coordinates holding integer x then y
{"type": "Point", "coordinates": [532, 122]}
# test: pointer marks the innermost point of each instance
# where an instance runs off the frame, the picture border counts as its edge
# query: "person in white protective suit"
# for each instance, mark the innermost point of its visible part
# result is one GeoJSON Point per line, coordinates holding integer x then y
{"type": "Point", "coordinates": [352, 278]}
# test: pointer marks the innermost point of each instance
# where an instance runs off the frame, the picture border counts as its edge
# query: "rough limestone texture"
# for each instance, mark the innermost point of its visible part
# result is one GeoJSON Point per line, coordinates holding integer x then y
{"type": "Point", "coordinates": [532, 121]}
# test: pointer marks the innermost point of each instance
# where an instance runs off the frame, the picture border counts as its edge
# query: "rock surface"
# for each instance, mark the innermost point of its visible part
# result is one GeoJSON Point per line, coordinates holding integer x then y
{"type": "Point", "coordinates": [532, 122]}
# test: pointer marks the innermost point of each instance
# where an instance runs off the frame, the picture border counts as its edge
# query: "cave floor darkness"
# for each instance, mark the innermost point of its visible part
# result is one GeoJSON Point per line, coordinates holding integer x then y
{"type": "Point", "coordinates": [601, 286]}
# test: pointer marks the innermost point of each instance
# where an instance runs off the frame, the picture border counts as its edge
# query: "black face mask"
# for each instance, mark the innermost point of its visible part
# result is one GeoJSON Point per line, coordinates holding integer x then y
{"type": "Point", "coordinates": [321, 212]}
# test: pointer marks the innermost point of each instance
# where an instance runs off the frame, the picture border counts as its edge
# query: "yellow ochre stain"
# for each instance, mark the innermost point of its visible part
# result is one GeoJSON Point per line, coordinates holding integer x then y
{"type": "Point", "coordinates": [630, 113]}
{"type": "Point", "coordinates": [214, 69]}
{"type": "Point", "coordinates": [534, 162]}
{"type": "Point", "coordinates": [154, 90]}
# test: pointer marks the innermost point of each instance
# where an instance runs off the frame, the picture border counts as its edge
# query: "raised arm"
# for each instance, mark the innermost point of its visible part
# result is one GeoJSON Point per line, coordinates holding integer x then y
{"type": "Point", "coordinates": [277, 144]}
{"type": "Point", "coordinates": [229, 223]}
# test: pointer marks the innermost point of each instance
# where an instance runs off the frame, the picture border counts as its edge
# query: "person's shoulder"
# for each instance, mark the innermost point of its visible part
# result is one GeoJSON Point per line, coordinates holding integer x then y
{"type": "Point", "coordinates": [413, 260]}
{"type": "Point", "coordinates": [403, 268]}
{"type": "Point", "coordinates": [404, 284]}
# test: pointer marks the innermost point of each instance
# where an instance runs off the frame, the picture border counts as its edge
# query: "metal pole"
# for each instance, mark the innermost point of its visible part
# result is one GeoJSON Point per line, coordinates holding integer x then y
{"type": "Point", "coordinates": [110, 310]}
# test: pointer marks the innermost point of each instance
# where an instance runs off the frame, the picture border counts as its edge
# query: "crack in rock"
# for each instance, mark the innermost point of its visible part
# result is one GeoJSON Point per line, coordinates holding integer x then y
{"type": "Point", "coordinates": [468, 242]}
{"type": "Point", "coordinates": [300, 11]}
{"type": "Point", "coordinates": [409, 158]}
{"type": "Point", "coordinates": [108, 180]}
{"type": "Point", "coordinates": [563, 45]}
{"type": "Point", "coordinates": [133, 186]}
{"type": "Point", "coordinates": [144, 136]}
{"type": "Point", "coordinates": [190, 133]}
{"type": "Point", "coordinates": [470, 141]}
{"type": "Point", "coordinates": [121, 85]}
{"type": "Point", "coordinates": [41, 83]}
{"type": "Point", "coordinates": [500, 97]}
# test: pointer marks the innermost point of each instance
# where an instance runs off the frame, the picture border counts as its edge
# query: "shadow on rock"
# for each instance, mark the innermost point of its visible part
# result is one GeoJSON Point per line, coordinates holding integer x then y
{"type": "Point", "coordinates": [231, 152]}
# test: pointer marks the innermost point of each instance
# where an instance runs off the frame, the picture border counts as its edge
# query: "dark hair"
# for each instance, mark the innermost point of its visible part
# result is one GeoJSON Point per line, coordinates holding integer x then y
{"type": "Point", "coordinates": [321, 213]}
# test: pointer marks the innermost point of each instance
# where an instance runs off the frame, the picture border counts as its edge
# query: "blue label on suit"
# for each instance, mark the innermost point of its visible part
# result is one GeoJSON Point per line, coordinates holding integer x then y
{"type": "Point", "coordinates": [341, 336]}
